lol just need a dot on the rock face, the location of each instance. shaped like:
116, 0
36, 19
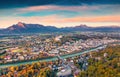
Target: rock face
37, 28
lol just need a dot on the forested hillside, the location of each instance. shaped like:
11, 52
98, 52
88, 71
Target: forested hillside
105, 63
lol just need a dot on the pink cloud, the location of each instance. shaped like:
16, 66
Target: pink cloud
61, 21
115, 18
51, 7
69, 8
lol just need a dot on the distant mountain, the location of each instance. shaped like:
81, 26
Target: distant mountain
76, 28
97, 29
29, 28
37, 28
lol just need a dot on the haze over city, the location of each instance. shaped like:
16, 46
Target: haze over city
60, 13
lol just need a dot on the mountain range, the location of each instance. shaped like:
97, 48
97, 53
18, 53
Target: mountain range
37, 28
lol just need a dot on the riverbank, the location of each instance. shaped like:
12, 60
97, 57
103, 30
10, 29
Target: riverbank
51, 59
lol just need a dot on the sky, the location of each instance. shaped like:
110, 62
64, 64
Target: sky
60, 13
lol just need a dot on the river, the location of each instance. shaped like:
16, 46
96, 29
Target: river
52, 59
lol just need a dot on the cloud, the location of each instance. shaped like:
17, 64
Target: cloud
23, 3
61, 21
94, 19
76, 10
59, 12
68, 8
